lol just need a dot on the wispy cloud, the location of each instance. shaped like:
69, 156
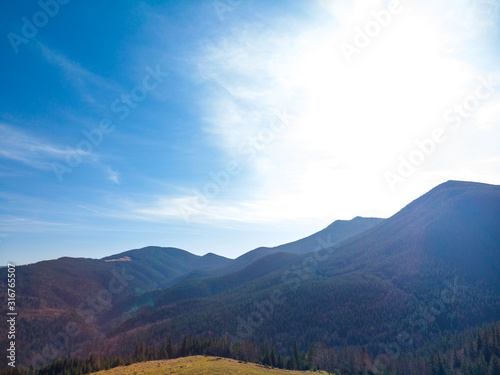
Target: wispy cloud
35, 152
112, 175
89, 85
88, 209
40, 154
15, 224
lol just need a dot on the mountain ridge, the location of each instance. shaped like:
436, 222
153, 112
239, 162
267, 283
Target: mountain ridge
364, 290
389, 272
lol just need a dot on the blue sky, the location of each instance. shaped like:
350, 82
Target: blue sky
221, 126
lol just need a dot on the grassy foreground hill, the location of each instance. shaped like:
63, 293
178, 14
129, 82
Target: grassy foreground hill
198, 365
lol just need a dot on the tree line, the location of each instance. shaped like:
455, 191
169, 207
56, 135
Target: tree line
473, 352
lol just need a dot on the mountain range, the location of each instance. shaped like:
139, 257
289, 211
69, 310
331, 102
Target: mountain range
429, 271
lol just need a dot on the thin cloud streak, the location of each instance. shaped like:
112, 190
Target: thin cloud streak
37, 153
19, 146
80, 77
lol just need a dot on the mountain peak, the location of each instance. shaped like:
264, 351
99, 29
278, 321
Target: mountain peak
457, 184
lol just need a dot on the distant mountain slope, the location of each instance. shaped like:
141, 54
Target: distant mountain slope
211, 286
260, 262
456, 223
53, 293
165, 264
334, 234
429, 270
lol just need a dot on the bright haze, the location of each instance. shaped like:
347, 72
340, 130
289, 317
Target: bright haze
221, 126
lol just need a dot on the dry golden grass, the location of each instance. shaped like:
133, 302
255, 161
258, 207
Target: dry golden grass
198, 365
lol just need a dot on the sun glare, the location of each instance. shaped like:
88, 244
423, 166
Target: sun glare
359, 115
398, 88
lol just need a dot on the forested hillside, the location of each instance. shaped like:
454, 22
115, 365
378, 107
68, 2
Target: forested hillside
418, 293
